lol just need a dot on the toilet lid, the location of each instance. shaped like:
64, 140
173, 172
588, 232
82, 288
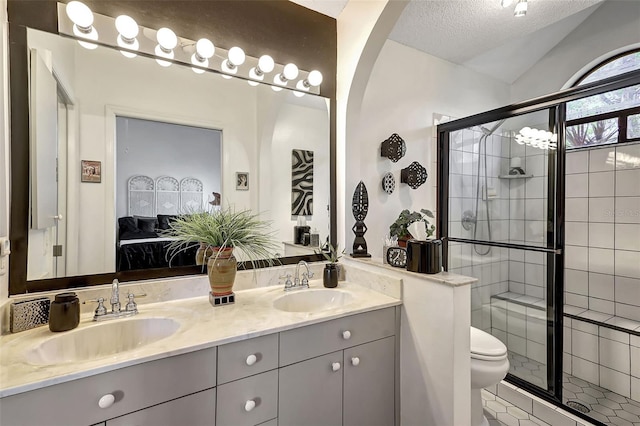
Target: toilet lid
485, 346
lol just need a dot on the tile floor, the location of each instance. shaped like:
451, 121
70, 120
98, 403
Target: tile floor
503, 413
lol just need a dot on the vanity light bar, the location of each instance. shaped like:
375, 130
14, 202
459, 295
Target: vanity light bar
124, 34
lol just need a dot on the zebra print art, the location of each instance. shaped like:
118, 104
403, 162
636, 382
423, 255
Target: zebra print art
301, 182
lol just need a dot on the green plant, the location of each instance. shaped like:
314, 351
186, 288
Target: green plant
227, 228
399, 228
332, 256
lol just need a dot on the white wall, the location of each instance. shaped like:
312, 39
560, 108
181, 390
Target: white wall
613, 27
404, 103
157, 149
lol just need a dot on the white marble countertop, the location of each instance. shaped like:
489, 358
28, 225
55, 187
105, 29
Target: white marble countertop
202, 326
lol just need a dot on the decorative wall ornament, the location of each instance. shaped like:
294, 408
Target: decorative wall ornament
388, 183
414, 175
91, 171
393, 148
301, 182
142, 196
167, 195
242, 181
191, 195
360, 208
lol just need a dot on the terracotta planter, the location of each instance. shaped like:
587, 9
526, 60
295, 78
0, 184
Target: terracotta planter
221, 269
402, 241
330, 275
203, 254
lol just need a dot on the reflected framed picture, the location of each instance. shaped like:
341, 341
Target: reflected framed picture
242, 181
91, 171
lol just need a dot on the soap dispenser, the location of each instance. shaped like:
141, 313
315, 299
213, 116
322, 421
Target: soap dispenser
64, 313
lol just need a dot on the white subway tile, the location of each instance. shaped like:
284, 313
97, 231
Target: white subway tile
577, 233
498, 318
585, 370
635, 361
601, 235
537, 331
601, 261
535, 165
627, 183
628, 311
584, 326
576, 281
516, 271
601, 286
601, 209
577, 300
627, 290
534, 291
534, 274
584, 345
627, 209
535, 257
536, 351
600, 159
577, 185
627, 156
601, 184
516, 325
627, 263
577, 258
614, 355
566, 363
627, 236
516, 209
577, 162
611, 334
550, 415
615, 381
517, 344
534, 209
535, 187
635, 389
601, 305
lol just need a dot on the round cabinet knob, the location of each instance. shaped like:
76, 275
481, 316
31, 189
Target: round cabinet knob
249, 405
106, 401
251, 359
335, 366
355, 361
58, 217
346, 335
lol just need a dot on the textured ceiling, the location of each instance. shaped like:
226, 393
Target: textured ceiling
480, 34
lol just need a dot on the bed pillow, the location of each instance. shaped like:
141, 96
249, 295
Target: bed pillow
164, 220
127, 224
147, 224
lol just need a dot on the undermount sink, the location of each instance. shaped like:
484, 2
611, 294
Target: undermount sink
101, 340
312, 300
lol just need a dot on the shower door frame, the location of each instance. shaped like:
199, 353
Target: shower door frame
556, 104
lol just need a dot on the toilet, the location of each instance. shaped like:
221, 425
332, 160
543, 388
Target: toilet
489, 365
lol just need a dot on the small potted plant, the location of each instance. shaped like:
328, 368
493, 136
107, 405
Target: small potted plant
219, 233
399, 228
331, 269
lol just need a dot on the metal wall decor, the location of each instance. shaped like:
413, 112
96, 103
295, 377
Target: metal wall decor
388, 183
360, 208
301, 182
393, 148
414, 175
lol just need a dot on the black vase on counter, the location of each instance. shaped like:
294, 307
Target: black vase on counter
330, 276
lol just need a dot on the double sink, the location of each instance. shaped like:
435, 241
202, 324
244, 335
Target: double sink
121, 335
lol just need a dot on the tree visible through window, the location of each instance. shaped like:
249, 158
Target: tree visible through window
604, 128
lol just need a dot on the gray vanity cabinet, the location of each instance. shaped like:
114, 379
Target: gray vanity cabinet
310, 392
369, 384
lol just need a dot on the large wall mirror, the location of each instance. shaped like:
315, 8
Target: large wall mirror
118, 145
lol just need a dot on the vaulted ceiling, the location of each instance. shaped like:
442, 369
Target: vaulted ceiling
480, 34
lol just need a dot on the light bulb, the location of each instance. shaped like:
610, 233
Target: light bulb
505, 3
201, 63
315, 78
298, 94
159, 51
127, 27
266, 64
290, 71
228, 67
80, 14
521, 9
302, 85
205, 49
236, 56
280, 80
253, 73
167, 39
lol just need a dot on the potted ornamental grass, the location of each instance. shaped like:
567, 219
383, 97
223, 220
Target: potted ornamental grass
399, 228
218, 233
331, 269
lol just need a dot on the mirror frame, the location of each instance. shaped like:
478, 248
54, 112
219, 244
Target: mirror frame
23, 15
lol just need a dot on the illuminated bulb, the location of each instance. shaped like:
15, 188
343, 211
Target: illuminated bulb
204, 50
160, 52
91, 35
521, 9
80, 14
298, 94
236, 57
314, 78
290, 72
167, 39
128, 31
265, 65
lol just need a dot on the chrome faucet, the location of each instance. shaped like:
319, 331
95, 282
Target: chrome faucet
297, 282
131, 308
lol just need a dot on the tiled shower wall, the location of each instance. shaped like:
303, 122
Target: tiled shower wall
602, 256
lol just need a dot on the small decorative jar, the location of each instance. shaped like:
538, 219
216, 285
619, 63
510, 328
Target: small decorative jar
330, 276
64, 313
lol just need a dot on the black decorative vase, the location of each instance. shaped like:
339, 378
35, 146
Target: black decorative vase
330, 276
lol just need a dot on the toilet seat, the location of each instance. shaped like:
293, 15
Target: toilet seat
486, 347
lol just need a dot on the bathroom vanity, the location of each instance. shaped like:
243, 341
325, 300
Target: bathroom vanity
334, 366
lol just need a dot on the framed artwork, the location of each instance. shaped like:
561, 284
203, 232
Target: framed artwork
91, 171
301, 182
242, 181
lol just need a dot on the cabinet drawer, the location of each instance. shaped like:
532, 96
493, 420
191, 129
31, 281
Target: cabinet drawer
134, 388
246, 358
249, 401
318, 339
192, 410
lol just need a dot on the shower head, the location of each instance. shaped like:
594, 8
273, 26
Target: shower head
489, 132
